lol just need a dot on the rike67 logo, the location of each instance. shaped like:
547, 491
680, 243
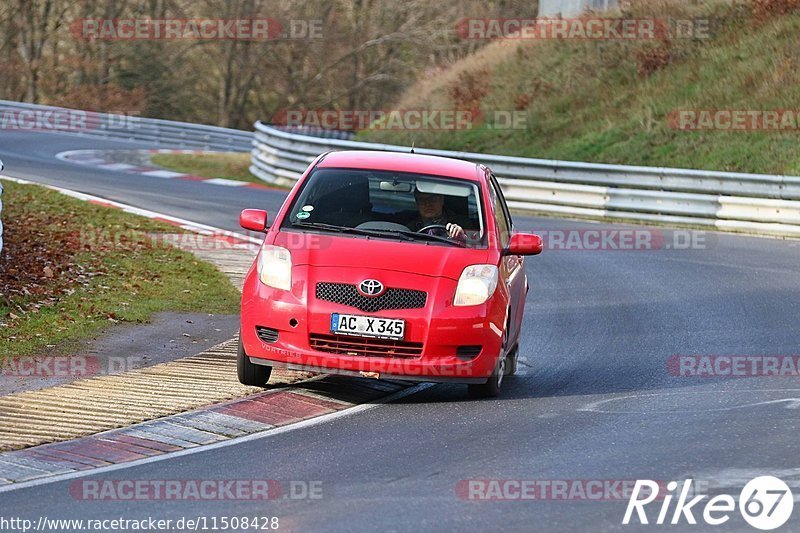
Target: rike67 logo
766, 503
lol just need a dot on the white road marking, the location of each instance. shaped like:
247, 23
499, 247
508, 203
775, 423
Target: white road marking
182, 222
600, 405
115, 166
228, 183
67, 155
163, 174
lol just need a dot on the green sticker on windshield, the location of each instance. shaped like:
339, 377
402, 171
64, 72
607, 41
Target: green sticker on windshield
302, 215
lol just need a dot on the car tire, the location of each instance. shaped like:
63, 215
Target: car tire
250, 374
491, 388
511, 361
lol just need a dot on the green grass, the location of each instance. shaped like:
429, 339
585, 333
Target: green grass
228, 165
586, 101
103, 269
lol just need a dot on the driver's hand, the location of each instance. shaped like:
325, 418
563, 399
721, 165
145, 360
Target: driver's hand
455, 231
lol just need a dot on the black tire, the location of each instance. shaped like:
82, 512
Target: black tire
250, 374
491, 388
511, 361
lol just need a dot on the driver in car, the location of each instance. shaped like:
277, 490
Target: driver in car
432, 212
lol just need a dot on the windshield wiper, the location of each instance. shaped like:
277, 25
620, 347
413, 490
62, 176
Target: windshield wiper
413, 235
344, 229
320, 225
405, 234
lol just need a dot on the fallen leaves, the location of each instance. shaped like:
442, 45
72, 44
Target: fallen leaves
51, 252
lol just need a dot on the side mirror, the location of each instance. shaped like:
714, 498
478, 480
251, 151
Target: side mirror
524, 244
254, 219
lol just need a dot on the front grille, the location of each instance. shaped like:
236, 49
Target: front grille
267, 334
365, 346
347, 294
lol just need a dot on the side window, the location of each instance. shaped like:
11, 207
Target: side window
501, 216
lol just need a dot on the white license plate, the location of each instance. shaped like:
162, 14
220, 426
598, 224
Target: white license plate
368, 326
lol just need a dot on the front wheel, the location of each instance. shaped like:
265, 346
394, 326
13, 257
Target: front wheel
512, 360
491, 388
250, 374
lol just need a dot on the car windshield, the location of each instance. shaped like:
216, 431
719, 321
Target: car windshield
384, 204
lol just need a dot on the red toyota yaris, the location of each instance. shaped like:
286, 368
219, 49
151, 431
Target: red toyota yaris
387, 265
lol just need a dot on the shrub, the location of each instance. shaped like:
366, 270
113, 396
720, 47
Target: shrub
764, 9
469, 89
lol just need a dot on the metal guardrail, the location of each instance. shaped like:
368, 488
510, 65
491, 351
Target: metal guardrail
323, 133
754, 203
26, 117
19, 116
751, 203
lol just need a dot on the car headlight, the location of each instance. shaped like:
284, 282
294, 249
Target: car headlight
476, 285
275, 267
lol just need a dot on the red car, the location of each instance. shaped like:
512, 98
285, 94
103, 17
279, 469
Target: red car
387, 265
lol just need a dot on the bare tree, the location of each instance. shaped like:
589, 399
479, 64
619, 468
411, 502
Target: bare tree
36, 22
368, 52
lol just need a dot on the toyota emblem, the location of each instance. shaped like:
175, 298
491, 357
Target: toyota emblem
371, 287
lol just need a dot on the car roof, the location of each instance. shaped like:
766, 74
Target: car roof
403, 162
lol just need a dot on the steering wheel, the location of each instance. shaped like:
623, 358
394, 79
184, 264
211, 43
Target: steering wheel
438, 230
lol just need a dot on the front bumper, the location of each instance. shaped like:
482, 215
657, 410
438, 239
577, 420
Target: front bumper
365, 374
439, 327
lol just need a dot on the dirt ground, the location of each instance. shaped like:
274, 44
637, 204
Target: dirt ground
120, 348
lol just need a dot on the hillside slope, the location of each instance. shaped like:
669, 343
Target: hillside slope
611, 101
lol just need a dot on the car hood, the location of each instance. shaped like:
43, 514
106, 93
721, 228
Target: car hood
429, 259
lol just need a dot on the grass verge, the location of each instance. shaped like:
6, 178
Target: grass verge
69, 269
612, 101
227, 165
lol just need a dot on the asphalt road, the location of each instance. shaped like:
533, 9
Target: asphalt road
32, 156
594, 399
